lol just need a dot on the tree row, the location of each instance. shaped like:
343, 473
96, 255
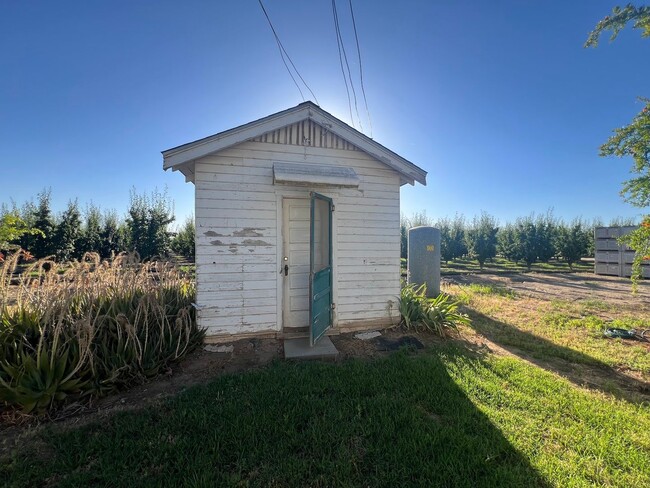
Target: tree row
145, 229
527, 240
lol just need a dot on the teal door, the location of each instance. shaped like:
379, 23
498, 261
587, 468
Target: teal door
320, 267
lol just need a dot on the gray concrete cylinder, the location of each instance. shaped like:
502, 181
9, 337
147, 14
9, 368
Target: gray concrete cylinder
424, 258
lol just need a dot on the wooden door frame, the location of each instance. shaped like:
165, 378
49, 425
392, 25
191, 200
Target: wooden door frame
280, 196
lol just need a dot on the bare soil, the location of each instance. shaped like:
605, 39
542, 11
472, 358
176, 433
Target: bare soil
565, 286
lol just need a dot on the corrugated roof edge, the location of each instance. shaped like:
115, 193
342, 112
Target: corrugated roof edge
184, 153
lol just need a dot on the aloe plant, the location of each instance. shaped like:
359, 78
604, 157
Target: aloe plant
437, 314
90, 328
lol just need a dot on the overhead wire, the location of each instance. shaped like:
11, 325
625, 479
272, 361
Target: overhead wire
283, 53
342, 57
363, 89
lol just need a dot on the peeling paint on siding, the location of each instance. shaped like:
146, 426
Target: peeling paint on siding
248, 232
253, 242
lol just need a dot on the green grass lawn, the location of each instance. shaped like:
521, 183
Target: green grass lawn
570, 331
442, 417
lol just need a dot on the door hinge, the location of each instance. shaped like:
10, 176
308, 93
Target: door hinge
333, 306
333, 207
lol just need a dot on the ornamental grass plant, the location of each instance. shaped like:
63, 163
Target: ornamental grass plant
87, 328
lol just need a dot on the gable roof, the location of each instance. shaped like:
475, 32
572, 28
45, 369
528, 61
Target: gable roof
175, 158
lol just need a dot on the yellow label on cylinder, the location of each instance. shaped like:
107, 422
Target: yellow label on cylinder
431, 247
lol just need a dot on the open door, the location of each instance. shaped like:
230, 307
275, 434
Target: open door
320, 267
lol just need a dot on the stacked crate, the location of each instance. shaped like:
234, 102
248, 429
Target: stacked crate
613, 258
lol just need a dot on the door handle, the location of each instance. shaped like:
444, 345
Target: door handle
286, 270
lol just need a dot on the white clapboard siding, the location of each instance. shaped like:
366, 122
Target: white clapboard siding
206, 203
237, 237
230, 240
370, 224
237, 232
350, 245
238, 268
364, 278
206, 255
362, 308
236, 302
231, 195
361, 262
235, 286
236, 213
226, 295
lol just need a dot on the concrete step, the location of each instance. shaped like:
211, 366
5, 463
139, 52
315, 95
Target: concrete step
299, 348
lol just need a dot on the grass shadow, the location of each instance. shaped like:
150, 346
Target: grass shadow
579, 368
397, 421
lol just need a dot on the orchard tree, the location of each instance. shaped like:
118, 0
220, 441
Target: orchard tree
446, 248
545, 230
41, 244
457, 245
183, 241
481, 238
67, 233
452, 237
419, 219
147, 222
90, 239
508, 243
403, 233
114, 235
633, 139
572, 241
528, 240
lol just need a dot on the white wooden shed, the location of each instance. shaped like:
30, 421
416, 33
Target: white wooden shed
297, 226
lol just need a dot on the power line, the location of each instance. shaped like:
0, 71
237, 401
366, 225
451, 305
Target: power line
363, 89
283, 52
341, 46
277, 40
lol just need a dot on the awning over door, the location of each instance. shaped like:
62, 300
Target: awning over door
315, 174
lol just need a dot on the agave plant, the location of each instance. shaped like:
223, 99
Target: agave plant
437, 314
37, 376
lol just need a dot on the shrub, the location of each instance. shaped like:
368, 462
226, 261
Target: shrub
90, 328
437, 314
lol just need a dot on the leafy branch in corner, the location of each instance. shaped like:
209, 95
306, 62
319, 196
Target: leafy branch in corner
633, 139
620, 17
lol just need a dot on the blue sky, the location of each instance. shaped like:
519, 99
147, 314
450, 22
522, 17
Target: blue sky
497, 100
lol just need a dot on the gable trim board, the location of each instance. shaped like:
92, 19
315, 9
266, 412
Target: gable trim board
181, 158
